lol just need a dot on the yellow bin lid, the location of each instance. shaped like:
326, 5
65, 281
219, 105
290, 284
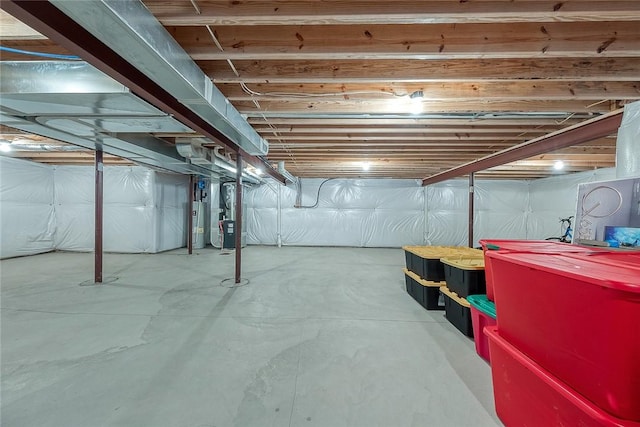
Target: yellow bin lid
464, 263
463, 302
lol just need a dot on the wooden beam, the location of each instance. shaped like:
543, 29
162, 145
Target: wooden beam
437, 91
426, 147
590, 67
399, 130
333, 12
382, 107
453, 122
425, 136
438, 41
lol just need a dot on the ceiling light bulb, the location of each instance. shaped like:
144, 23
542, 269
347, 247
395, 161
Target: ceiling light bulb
259, 171
5, 147
415, 105
366, 166
558, 165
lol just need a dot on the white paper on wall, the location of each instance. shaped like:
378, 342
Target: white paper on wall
27, 215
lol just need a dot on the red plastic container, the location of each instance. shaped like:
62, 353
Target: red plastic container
483, 313
527, 395
576, 317
537, 246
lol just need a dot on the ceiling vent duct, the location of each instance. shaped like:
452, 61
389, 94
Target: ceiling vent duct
287, 175
137, 36
75, 103
192, 149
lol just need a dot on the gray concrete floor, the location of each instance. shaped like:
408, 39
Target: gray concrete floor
319, 337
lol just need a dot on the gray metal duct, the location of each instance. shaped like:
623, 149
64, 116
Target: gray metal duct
287, 175
75, 103
136, 35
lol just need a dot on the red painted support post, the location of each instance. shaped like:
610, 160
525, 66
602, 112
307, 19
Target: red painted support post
238, 217
471, 207
97, 277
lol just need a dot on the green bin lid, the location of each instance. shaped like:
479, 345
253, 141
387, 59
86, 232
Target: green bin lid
483, 304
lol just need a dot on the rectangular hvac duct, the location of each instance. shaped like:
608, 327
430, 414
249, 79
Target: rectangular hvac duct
129, 29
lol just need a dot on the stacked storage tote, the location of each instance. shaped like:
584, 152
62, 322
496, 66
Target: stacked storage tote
567, 343
425, 273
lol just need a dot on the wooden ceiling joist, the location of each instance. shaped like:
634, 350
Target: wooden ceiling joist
436, 41
332, 12
386, 107
591, 67
328, 83
448, 91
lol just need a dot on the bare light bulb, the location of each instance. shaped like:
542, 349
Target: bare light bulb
558, 165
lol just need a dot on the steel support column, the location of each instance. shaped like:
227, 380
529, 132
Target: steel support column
190, 220
471, 207
97, 277
238, 217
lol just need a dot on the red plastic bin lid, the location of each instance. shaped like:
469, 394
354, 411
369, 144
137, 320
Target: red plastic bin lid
622, 276
532, 246
620, 258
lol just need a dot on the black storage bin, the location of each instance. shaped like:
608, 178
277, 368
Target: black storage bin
431, 270
432, 299
408, 257
427, 294
457, 312
465, 276
409, 284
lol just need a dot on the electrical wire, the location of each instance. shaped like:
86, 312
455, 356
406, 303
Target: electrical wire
317, 195
41, 54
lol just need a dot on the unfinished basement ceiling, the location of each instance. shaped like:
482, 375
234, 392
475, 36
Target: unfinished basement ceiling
333, 85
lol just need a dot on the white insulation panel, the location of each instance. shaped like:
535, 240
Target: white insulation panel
628, 143
27, 215
392, 213
48, 208
44, 208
